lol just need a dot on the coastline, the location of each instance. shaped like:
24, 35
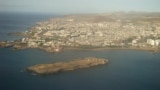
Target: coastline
57, 34
154, 50
61, 49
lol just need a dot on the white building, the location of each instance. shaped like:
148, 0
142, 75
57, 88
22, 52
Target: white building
151, 42
157, 42
134, 42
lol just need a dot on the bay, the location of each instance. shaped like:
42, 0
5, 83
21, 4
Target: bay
127, 70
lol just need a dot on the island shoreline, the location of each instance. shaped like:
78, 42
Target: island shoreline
57, 67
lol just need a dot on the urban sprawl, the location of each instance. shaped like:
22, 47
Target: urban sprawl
110, 30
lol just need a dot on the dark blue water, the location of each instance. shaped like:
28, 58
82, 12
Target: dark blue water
15, 22
127, 70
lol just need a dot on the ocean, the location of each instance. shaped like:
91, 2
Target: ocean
127, 70
18, 22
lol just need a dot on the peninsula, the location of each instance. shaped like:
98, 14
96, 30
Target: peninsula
44, 69
123, 30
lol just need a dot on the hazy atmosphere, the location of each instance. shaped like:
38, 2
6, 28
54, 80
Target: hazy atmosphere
78, 6
79, 44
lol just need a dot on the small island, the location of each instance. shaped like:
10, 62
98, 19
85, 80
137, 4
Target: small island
45, 69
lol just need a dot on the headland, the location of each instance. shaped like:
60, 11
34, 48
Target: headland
138, 31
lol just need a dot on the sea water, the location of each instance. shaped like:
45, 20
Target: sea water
127, 70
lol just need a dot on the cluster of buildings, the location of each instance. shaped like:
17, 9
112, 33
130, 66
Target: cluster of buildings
153, 42
85, 31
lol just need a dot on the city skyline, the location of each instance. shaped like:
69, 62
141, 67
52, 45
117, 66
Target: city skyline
79, 6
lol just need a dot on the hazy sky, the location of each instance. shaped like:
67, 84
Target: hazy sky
79, 6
